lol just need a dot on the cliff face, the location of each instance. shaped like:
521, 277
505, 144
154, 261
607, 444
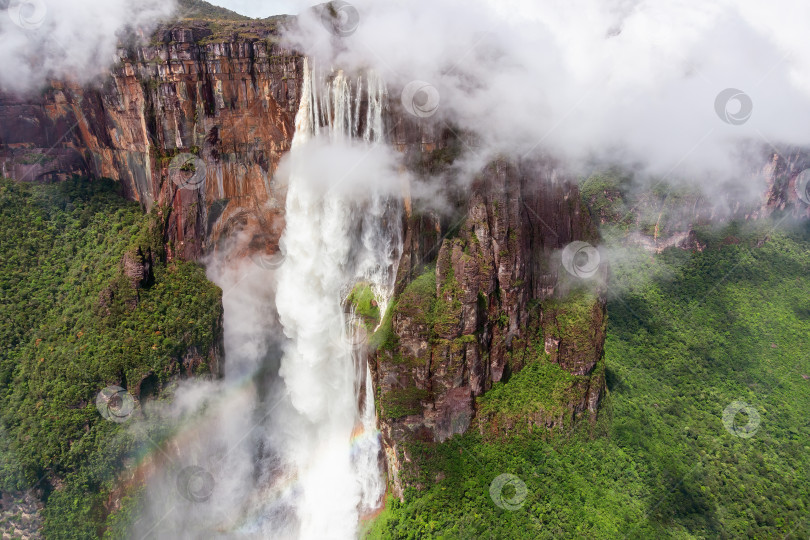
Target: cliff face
479, 300
660, 216
229, 103
788, 179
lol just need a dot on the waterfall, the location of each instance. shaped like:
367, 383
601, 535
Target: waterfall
368, 448
286, 444
332, 241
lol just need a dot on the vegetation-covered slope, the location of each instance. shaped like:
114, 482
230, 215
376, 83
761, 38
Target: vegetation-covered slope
71, 323
689, 334
199, 9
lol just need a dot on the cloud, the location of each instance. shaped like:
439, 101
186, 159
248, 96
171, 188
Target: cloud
76, 39
630, 80
344, 167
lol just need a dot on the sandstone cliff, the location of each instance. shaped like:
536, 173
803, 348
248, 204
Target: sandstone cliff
788, 178
660, 215
481, 298
228, 100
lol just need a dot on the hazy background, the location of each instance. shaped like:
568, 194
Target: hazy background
633, 81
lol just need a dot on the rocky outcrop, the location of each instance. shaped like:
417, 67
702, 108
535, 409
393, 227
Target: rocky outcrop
788, 178
20, 515
137, 267
493, 299
224, 104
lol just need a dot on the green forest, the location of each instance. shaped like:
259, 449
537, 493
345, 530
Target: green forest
691, 336
73, 324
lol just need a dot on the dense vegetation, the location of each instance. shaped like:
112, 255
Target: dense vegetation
199, 9
688, 335
227, 25
72, 323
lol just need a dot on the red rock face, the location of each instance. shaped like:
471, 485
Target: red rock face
499, 286
786, 179
231, 104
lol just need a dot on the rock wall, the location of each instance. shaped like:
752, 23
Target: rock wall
788, 179
659, 216
229, 103
481, 296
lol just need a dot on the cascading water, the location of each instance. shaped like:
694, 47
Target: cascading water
289, 448
331, 242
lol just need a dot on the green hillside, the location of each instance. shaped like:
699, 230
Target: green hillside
199, 9
71, 324
689, 335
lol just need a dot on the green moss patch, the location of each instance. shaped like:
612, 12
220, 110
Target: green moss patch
399, 402
365, 305
418, 299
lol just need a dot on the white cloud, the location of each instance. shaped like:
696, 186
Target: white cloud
636, 78
76, 39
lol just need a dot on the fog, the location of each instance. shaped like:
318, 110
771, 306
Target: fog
642, 83
68, 39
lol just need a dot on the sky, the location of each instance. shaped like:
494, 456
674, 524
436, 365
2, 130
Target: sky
263, 8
